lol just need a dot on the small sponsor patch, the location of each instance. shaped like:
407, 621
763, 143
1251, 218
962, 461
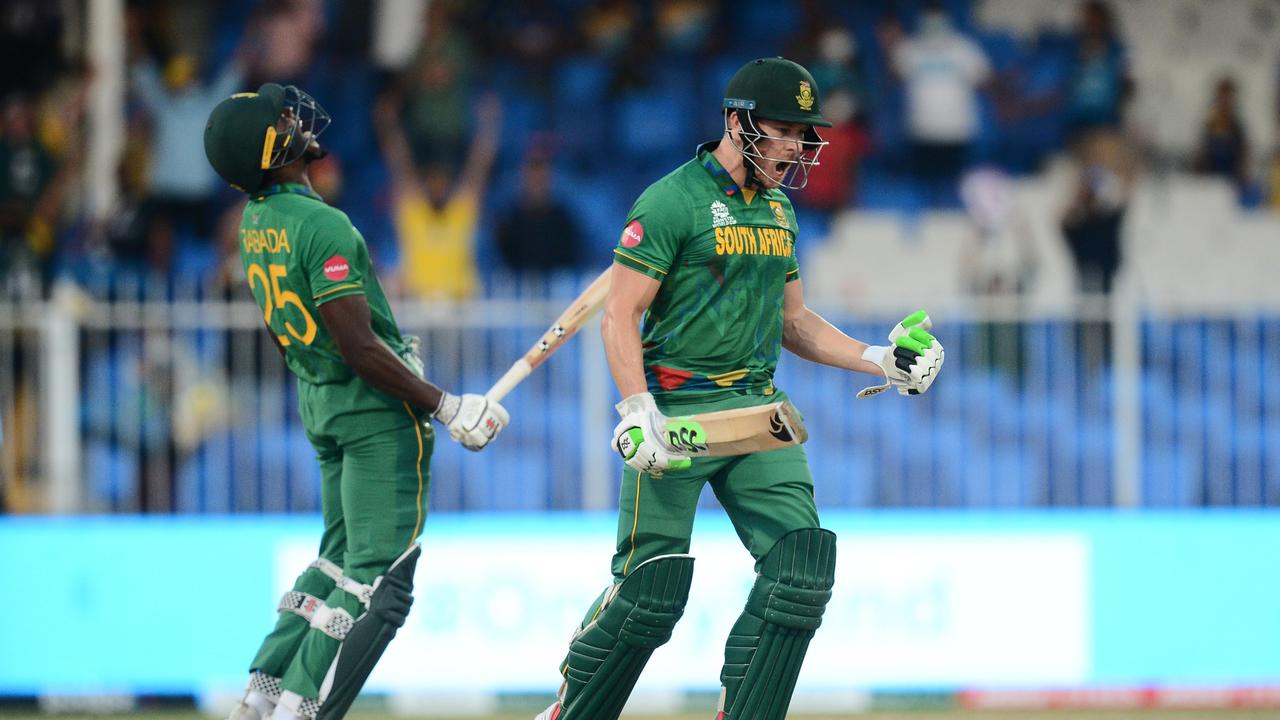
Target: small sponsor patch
632, 234
720, 215
336, 268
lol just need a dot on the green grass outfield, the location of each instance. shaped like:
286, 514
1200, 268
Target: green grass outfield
905, 715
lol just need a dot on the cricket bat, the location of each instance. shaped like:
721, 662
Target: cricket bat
737, 432
570, 321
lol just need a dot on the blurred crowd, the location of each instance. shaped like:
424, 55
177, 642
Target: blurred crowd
474, 141
480, 137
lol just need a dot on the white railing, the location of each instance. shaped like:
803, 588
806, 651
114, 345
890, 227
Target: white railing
169, 399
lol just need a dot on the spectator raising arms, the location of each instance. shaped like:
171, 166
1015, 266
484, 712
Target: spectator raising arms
180, 184
437, 210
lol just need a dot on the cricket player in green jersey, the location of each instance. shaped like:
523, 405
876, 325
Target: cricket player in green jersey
364, 403
708, 259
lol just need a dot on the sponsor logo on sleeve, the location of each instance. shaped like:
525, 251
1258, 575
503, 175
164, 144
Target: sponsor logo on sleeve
632, 234
336, 268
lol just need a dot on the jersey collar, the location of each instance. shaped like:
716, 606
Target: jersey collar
722, 176
295, 188
716, 170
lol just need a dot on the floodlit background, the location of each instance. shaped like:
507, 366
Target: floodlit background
1084, 195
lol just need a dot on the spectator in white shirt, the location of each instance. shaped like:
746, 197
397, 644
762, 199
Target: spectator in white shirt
943, 71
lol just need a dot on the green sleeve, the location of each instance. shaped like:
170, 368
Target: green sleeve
333, 258
656, 227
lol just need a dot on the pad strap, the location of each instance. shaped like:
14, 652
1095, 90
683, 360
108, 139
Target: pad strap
267, 685
359, 590
303, 707
334, 622
299, 603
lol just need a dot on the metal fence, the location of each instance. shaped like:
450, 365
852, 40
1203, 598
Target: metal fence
144, 397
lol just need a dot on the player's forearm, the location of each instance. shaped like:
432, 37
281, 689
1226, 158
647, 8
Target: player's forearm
382, 370
623, 350
808, 335
348, 320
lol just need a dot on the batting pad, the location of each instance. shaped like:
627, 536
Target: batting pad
767, 644
607, 656
368, 637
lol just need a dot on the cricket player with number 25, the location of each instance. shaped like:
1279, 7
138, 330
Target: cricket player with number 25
707, 259
366, 408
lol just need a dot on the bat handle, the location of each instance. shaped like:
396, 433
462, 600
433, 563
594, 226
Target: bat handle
519, 370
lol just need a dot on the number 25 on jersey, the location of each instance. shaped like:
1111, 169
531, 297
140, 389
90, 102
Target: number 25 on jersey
277, 298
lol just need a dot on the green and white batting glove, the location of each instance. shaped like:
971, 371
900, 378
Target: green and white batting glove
912, 360
639, 437
473, 420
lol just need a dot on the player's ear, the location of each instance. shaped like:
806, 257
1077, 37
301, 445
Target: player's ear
732, 125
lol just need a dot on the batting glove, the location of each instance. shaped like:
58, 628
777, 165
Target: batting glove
472, 420
639, 437
911, 362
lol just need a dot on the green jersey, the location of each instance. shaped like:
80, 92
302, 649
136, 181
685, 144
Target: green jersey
723, 256
298, 254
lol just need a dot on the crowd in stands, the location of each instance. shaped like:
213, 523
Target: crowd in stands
476, 137
472, 140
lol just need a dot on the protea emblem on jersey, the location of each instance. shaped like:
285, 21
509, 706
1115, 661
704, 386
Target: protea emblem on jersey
779, 215
805, 98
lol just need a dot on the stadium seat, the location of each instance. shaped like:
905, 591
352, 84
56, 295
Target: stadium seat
655, 124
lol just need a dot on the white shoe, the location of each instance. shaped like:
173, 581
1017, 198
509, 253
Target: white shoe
550, 713
244, 711
254, 706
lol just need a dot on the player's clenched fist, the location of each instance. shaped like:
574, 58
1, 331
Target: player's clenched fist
912, 361
639, 437
472, 420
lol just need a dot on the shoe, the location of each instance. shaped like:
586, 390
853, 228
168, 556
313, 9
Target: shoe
244, 711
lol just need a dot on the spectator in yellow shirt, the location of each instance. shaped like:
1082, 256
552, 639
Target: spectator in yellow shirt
437, 211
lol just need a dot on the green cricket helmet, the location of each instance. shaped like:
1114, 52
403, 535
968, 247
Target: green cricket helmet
776, 89
253, 132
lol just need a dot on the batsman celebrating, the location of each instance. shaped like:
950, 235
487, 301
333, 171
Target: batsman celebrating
708, 259
363, 402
